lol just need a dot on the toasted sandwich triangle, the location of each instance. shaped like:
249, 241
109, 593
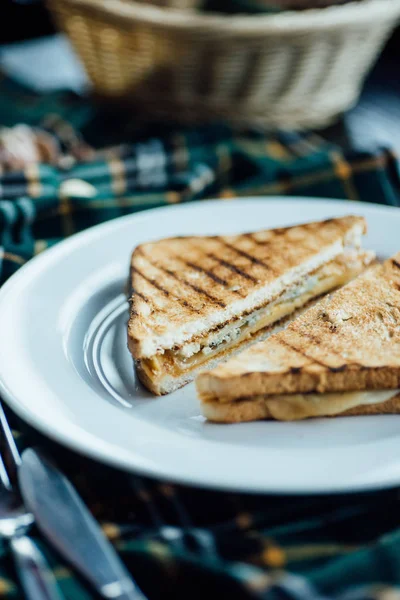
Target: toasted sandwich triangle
349, 341
183, 287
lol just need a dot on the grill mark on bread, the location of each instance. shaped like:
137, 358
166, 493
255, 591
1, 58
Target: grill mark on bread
302, 353
148, 301
151, 281
145, 299
163, 290
253, 259
194, 287
133, 292
251, 237
140, 295
280, 231
130, 282
342, 367
207, 272
395, 263
265, 243
228, 265
283, 231
311, 337
232, 267
339, 369
317, 342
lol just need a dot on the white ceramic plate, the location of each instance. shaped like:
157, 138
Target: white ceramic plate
65, 367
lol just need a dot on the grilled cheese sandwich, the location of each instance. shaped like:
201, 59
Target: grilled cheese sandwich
341, 357
192, 306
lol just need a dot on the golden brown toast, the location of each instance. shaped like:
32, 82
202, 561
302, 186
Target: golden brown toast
198, 300
349, 341
183, 287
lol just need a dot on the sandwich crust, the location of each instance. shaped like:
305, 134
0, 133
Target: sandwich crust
348, 341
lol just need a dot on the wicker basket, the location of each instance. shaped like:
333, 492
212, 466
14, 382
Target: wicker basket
229, 6
303, 4
291, 69
180, 4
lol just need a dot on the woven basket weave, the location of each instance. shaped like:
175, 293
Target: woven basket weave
292, 69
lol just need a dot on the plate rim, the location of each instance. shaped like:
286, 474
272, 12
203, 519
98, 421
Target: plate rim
42, 260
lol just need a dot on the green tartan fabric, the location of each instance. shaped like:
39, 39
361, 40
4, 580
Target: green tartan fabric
181, 542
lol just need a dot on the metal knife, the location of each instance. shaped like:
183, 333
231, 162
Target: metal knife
67, 523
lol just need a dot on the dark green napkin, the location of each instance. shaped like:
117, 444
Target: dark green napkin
103, 165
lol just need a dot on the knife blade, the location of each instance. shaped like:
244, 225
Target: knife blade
67, 523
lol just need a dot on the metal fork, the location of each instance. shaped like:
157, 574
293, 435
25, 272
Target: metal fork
35, 576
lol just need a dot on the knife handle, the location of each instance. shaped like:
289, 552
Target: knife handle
35, 576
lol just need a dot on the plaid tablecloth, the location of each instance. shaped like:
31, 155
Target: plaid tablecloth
91, 165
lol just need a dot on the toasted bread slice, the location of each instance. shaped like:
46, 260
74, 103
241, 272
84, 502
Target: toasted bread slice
183, 287
350, 341
198, 300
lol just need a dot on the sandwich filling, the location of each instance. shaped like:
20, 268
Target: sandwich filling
239, 331
293, 407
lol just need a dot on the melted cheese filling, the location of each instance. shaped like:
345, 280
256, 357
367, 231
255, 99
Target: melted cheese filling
194, 354
292, 407
302, 406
